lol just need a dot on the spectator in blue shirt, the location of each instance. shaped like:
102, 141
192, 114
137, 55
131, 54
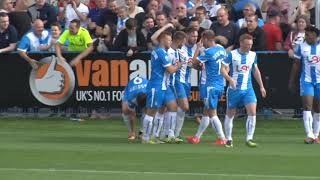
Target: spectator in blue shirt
94, 15
38, 39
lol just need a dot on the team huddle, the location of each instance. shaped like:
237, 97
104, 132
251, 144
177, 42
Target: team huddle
165, 95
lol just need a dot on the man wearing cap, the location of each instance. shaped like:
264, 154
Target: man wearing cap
273, 32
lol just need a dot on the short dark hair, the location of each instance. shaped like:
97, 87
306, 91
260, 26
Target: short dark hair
195, 19
245, 36
189, 30
179, 35
3, 14
208, 34
148, 16
158, 13
56, 24
312, 29
76, 21
201, 8
131, 23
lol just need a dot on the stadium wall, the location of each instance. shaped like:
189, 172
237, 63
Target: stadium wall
100, 79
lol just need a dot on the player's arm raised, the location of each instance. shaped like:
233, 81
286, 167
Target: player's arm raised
257, 77
196, 64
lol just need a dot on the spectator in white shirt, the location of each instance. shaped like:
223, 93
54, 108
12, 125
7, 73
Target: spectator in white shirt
76, 10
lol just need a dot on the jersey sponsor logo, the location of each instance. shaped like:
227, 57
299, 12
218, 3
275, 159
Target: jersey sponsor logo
313, 59
53, 82
243, 68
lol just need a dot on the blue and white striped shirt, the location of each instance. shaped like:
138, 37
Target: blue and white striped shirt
241, 66
310, 60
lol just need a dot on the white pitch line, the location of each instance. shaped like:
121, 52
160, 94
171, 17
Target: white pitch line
160, 173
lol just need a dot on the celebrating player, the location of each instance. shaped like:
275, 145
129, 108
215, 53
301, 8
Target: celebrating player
307, 55
161, 68
176, 55
134, 95
213, 56
243, 63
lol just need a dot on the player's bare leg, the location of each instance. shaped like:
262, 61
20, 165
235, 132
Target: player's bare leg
129, 118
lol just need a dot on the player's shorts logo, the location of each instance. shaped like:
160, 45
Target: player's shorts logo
53, 83
313, 59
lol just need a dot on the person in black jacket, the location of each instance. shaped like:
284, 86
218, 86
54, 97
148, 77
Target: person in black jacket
129, 39
259, 37
44, 11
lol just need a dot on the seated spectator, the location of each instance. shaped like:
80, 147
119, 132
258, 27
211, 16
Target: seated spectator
297, 36
212, 8
195, 24
8, 34
259, 37
108, 17
105, 41
21, 21
282, 6
148, 24
273, 32
130, 40
305, 7
101, 44
161, 21
78, 37
94, 14
151, 10
201, 13
133, 9
248, 10
44, 11
122, 18
55, 34
181, 21
225, 30
35, 40
237, 7
6, 6
76, 10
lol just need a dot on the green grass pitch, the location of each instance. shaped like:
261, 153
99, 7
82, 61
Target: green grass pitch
59, 149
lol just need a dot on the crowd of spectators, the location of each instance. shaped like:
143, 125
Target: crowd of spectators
105, 25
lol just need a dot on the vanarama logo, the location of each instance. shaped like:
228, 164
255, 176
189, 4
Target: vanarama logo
53, 83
